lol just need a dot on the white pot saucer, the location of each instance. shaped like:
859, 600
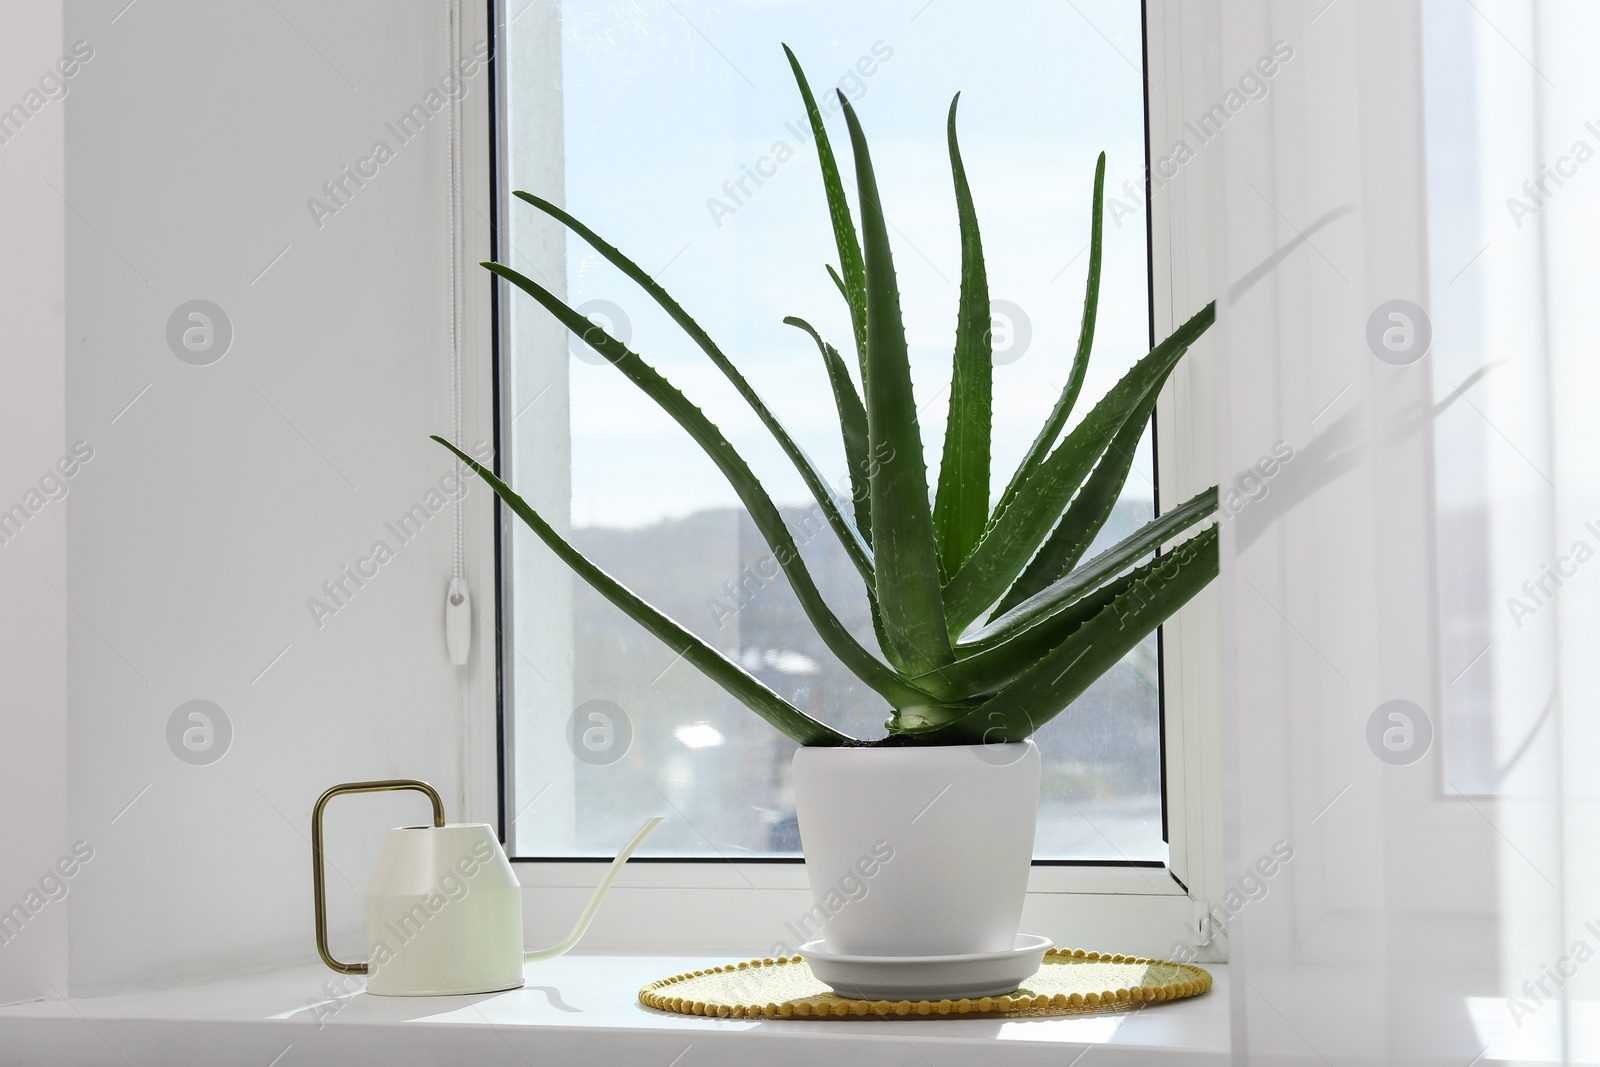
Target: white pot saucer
971, 975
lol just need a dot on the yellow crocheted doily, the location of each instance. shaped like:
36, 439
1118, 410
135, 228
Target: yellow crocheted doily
1069, 982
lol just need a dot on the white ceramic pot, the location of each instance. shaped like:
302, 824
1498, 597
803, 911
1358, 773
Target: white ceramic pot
917, 851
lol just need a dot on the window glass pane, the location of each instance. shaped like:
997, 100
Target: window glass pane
675, 130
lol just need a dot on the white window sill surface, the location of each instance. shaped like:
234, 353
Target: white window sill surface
579, 1010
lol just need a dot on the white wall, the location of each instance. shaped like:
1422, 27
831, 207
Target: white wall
33, 624
218, 503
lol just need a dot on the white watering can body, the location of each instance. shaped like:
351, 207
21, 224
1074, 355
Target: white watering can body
444, 914
444, 909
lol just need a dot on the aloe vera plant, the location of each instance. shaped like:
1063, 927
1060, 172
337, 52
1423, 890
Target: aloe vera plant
988, 620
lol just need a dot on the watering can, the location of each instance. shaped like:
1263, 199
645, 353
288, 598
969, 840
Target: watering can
444, 910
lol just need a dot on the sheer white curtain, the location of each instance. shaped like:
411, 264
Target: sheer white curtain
1411, 606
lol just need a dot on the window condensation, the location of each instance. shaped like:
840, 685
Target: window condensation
676, 131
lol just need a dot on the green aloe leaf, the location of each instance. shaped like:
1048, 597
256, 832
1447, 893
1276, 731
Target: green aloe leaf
928, 718
1080, 361
1076, 530
1014, 537
855, 543
852, 425
961, 503
854, 283
1039, 610
906, 559
1000, 663
838, 283
739, 683
1046, 688
1011, 644
762, 511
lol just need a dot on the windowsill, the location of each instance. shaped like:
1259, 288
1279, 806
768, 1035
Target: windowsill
575, 1009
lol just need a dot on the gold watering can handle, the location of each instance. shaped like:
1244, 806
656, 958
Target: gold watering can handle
318, 896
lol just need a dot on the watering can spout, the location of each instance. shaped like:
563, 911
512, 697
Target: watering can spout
593, 906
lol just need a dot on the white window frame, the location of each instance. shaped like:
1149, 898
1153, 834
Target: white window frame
740, 908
